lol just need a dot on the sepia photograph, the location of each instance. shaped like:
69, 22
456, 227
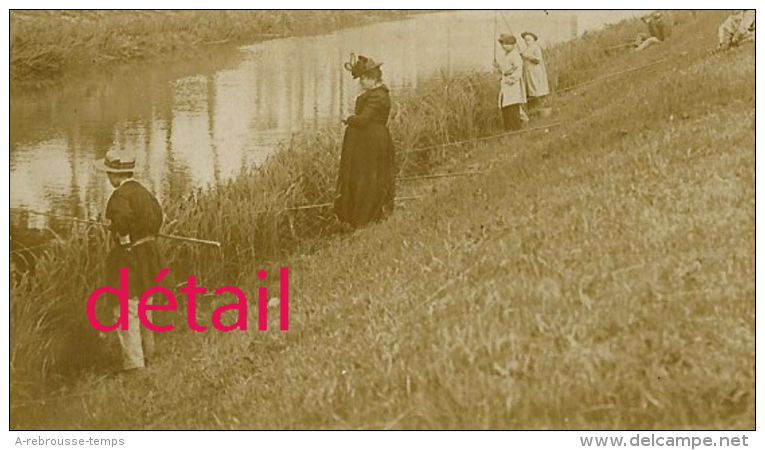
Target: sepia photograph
357, 219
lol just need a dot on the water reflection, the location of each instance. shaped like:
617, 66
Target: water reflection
196, 123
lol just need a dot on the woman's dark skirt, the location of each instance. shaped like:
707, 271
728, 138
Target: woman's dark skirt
366, 182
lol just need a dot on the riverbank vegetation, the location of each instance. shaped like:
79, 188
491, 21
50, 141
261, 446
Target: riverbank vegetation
47, 43
599, 275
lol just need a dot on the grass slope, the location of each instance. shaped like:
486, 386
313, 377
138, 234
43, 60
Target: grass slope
598, 276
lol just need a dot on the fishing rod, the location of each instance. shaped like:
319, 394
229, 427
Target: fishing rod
520, 43
101, 224
495, 35
509, 28
621, 72
441, 175
484, 138
327, 205
620, 46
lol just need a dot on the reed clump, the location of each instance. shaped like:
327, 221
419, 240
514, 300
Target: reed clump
50, 336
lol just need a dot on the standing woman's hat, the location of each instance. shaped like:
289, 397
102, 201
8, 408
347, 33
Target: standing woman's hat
360, 66
117, 162
529, 33
506, 38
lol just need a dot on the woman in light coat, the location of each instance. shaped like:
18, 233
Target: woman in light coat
534, 71
512, 91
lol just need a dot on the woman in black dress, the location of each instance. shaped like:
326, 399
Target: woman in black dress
366, 182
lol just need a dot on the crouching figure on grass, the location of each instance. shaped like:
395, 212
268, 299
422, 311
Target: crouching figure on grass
366, 181
659, 29
135, 218
737, 29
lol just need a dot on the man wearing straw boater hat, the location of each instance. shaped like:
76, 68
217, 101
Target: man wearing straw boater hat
134, 217
512, 93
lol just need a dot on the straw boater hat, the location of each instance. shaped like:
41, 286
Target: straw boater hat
529, 33
360, 66
506, 38
117, 162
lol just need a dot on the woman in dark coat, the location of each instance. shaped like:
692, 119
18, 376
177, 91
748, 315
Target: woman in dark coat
366, 183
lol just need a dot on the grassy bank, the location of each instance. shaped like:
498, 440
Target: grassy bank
44, 44
597, 276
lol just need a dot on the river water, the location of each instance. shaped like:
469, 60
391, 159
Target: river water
197, 123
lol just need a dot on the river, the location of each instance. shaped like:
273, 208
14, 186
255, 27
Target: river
194, 124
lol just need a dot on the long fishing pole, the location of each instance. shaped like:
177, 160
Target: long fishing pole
327, 205
521, 43
495, 35
93, 222
509, 28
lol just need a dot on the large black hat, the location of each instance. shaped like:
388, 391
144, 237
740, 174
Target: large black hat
360, 66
